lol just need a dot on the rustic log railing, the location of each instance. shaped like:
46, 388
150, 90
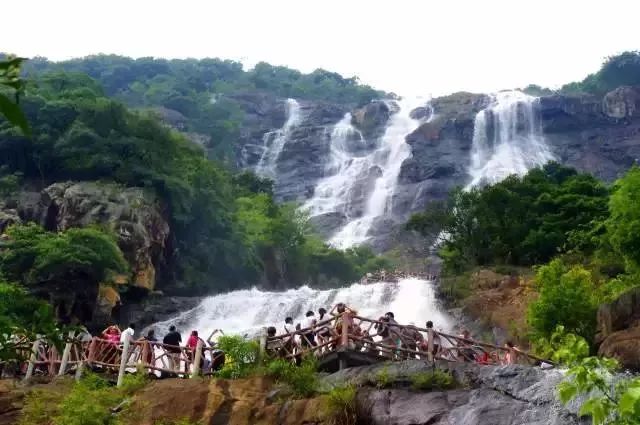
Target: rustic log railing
349, 332
150, 356
346, 332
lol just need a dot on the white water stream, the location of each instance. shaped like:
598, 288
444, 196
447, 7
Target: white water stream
246, 311
349, 171
507, 139
274, 141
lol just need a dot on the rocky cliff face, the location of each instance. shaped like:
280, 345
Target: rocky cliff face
136, 216
600, 136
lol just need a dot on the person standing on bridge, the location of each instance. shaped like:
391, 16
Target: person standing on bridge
307, 338
171, 342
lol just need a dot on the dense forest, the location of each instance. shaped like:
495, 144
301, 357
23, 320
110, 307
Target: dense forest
198, 89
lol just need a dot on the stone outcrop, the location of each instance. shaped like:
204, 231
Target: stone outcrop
136, 217
623, 102
488, 395
618, 332
372, 118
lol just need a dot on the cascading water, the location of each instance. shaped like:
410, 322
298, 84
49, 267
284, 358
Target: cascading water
507, 139
246, 311
274, 141
349, 170
335, 192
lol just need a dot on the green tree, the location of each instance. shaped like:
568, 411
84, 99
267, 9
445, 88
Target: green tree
623, 226
10, 81
566, 298
23, 318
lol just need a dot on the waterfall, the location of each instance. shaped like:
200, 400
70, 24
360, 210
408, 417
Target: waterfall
507, 139
274, 141
387, 159
345, 170
246, 311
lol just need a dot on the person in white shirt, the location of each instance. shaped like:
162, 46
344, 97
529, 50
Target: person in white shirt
307, 324
128, 333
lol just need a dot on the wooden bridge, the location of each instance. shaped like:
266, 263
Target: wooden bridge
353, 340
344, 340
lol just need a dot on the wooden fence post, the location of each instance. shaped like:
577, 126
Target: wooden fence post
197, 357
32, 359
79, 370
430, 344
263, 344
123, 360
53, 356
65, 355
91, 356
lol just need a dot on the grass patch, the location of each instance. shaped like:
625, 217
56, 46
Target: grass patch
302, 379
382, 379
87, 402
435, 380
456, 288
341, 405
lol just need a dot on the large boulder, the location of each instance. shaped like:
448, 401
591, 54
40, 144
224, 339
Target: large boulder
623, 346
372, 118
623, 102
618, 332
619, 314
135, 215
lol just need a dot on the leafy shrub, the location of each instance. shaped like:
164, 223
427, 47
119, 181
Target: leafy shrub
87, 402
562, 347
302, 379
567, 298
341, 405
241, 356
435, 380
609, 398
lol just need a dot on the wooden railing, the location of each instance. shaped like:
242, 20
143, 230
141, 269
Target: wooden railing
349, 332
150, 356
343, 332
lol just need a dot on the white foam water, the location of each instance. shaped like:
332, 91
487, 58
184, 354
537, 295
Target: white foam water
274, 141
246, 311
507, 139
387, 159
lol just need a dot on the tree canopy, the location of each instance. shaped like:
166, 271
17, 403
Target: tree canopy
617, 70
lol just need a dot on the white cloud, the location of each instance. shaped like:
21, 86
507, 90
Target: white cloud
411, 47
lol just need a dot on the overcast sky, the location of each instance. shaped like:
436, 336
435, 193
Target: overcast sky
411, 47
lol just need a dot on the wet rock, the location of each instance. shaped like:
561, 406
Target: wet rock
372, 118
326, 224
421, 113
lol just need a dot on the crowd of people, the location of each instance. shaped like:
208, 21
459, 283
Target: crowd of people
169, 355
384, 337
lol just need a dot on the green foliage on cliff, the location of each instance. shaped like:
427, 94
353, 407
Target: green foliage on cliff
520, 220
198, 95
33, 256
226, 229
623, 225
618, 70
241, 356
